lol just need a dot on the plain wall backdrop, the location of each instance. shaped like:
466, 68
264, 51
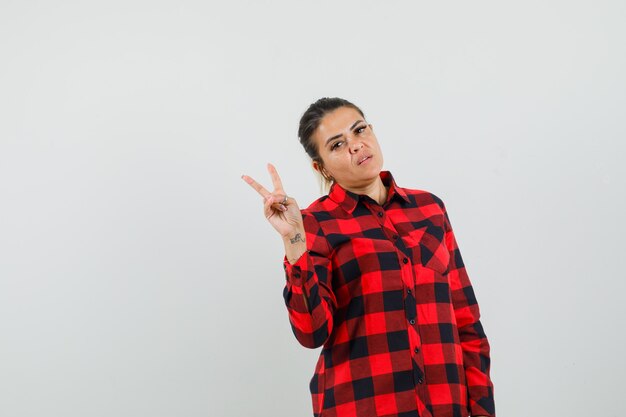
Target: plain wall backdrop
138, 276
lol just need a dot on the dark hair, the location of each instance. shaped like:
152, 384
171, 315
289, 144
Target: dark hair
310, 121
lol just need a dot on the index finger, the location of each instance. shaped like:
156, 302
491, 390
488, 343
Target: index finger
278, 185
258, 187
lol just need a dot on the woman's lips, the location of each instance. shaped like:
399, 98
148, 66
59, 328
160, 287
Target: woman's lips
367, 158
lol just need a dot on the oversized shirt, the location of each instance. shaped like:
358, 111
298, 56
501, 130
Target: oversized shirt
385, 291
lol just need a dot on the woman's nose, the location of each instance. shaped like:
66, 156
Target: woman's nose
355, 146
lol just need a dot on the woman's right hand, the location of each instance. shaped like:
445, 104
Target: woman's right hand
283, 215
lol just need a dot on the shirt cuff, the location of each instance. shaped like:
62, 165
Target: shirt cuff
293, 272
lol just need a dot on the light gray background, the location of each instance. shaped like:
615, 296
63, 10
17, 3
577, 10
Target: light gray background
138, 276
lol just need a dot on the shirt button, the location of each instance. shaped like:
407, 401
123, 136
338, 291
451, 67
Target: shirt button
416, 350
405, 260
412, 321
380, 214
420, 380
408, 291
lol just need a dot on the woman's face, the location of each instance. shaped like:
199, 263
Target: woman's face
348, 148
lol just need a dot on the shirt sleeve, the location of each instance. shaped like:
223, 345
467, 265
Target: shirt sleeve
308, 290
476, 359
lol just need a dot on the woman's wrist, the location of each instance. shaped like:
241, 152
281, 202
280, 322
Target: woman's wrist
294, 260
293, 254
295, 245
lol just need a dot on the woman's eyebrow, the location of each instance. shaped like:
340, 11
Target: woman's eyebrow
339, 135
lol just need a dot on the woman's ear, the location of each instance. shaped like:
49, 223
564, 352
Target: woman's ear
320, 169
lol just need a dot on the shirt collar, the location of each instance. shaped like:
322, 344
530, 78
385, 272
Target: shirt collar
348, 200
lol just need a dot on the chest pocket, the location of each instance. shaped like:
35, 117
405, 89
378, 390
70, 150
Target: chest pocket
429, 251
432, 285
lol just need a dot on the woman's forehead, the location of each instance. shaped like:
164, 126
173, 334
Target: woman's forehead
341, 118
338, 121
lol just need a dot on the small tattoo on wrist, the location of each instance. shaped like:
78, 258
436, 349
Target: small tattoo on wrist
296, 238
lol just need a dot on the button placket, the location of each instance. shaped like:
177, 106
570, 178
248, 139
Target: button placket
410, 308
408, 279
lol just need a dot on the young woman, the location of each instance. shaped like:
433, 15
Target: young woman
375, 276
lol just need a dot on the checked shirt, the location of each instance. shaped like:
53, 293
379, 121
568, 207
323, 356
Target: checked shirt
384, 291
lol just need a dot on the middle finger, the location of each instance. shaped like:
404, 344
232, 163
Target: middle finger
278, 185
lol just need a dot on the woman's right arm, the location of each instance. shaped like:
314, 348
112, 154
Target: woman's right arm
308, 289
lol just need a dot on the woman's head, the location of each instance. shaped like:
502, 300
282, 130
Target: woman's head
336, 136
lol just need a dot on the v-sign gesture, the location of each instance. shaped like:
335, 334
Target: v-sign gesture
280, 210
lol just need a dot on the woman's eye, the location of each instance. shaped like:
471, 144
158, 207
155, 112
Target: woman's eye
360, 129
334, 145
